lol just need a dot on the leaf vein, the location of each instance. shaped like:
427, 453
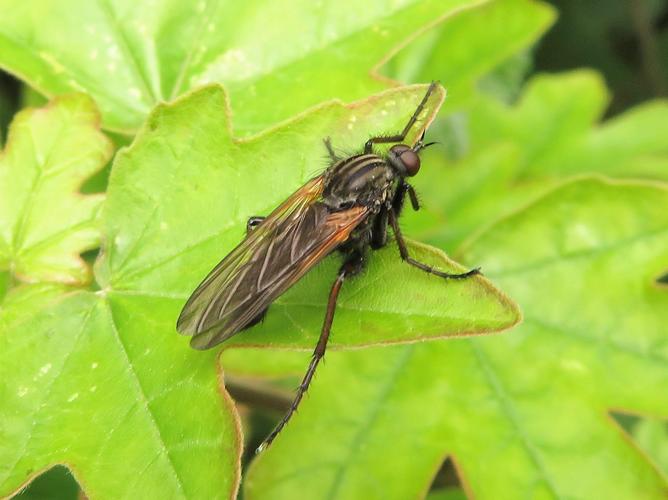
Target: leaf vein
507, 407
372, 416
129, 53
592, 252
144, 400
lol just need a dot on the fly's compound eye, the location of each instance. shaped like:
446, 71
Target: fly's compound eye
411, 161
405, 159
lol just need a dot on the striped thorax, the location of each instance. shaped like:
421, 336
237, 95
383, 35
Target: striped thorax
364, 179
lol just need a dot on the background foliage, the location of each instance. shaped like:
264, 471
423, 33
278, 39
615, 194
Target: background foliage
555, 183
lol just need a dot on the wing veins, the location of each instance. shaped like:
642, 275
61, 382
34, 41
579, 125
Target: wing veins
293, 238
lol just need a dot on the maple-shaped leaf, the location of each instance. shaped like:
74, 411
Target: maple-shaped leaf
132, 55
157, 420
186, 155
45, 222
108, 396
459, 53
522, 415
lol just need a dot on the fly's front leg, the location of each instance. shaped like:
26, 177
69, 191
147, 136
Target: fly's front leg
330, 149
379, 229
253, 222
403, 250
400, 197
368, 147
351, 266
413, 196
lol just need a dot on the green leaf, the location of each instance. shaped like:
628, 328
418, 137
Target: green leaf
178, 200
5, 283
45, 222
471, 45
475, 41
512, 154
80, 382
131, 414
265, 363
130, 56
555, 122
651, 434
522, 414
161, 251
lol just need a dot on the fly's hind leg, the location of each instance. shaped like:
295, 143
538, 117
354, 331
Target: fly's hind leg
403, 250
353, 264
257, 319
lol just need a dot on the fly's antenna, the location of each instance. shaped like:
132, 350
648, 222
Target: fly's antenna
422, 145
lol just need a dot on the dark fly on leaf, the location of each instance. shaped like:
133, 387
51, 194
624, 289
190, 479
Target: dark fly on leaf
348, 208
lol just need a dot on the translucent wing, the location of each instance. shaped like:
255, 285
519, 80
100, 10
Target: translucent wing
290, 241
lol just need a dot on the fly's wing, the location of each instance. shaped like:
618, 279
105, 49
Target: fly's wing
289, 242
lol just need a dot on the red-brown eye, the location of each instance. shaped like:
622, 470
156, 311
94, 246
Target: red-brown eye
404, 159
411, 161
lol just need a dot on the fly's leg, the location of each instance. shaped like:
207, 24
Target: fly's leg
253, 222
413, 196
400, 197
379, 230
400, 137
403, 250
352, 266
330, 149
257, 319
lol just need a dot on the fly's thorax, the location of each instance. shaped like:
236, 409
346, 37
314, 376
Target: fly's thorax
364, 179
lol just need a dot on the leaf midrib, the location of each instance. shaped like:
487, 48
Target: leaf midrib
41, 175
508, 410
143, 397
108, 14
580, 335
373, 412
187, 60
590, 252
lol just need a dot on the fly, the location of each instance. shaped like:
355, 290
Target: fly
347, 208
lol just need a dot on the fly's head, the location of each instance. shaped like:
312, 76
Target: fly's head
405, 160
